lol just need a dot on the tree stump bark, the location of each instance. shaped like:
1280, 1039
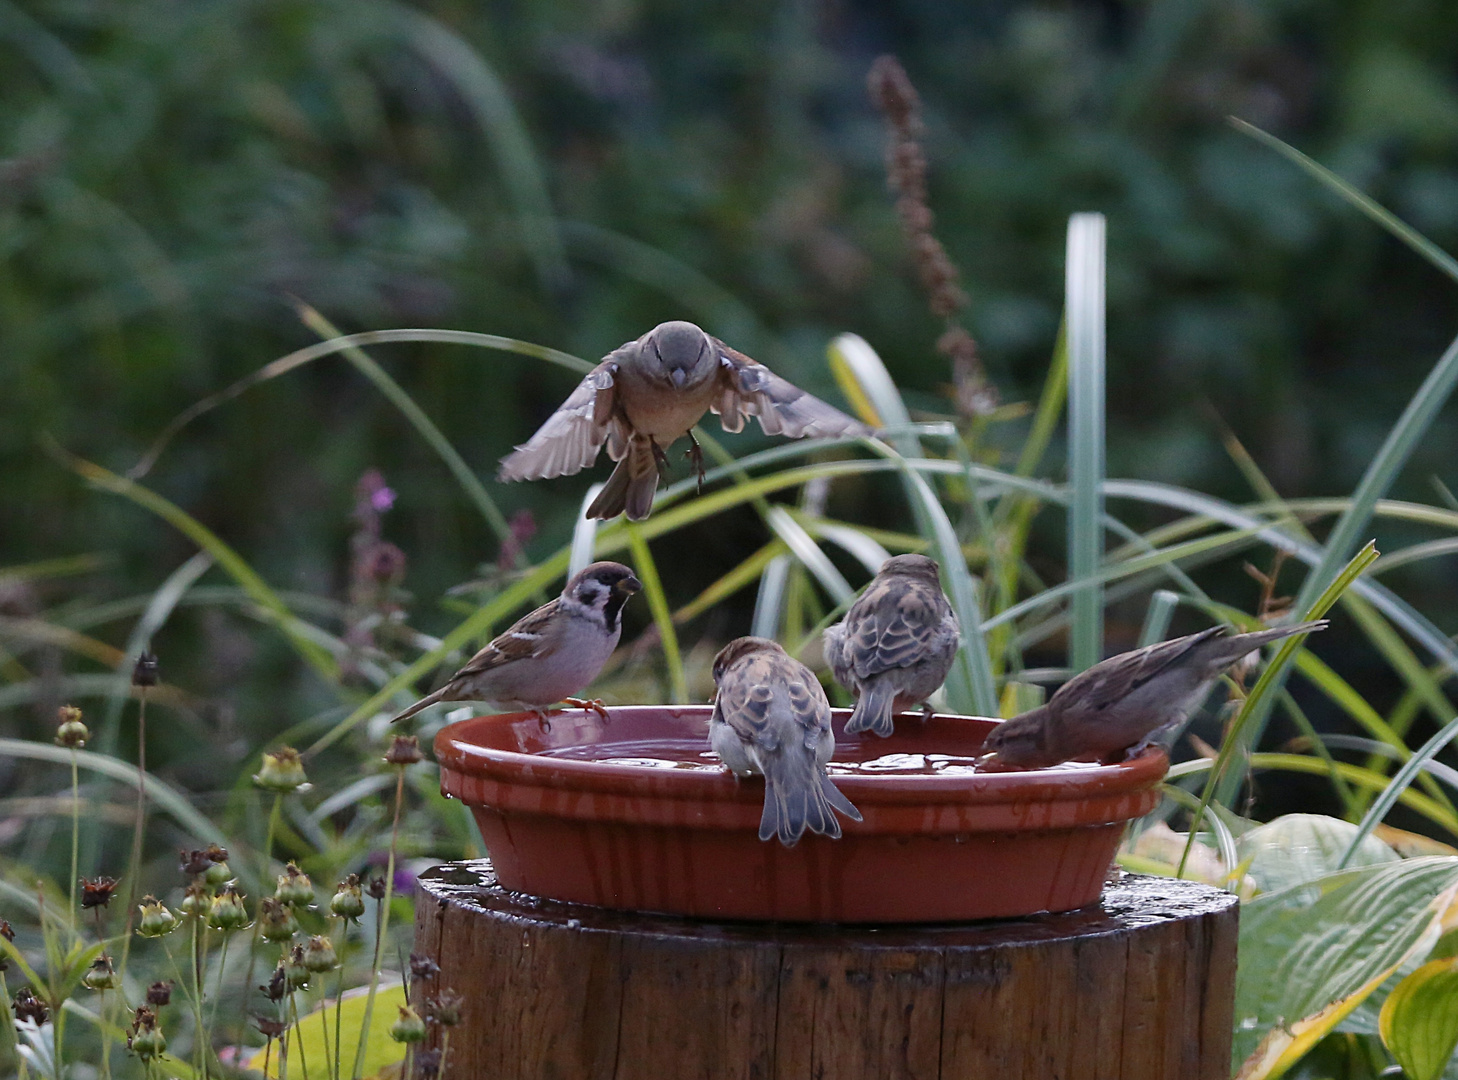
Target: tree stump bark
1140, 986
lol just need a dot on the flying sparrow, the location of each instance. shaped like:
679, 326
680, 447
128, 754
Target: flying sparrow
895, 645
772, 718
1128, 702
551, 653
645, 396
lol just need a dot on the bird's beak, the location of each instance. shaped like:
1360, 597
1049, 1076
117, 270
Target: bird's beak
629, 585
677, 375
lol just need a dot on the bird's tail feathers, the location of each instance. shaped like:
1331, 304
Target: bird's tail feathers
424, 703
631, 487
793, 805
874, 709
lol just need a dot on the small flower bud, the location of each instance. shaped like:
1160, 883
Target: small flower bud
155, 919
196, 900
405, 750
96, 892
101, 976
319, 954
294, 887
144, 673
227, 911
270, 1029
376, 888
282, 771
276, 920
296, 975
159, 994
71, 733
347, 901
409, 1028
423, 967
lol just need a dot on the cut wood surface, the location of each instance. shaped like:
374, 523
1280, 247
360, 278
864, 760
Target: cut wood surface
1139, 987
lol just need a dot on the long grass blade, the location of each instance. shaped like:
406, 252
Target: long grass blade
584, 534
662, 617
1084, 302
1271, 679
1157, 619
769, 602
434, 438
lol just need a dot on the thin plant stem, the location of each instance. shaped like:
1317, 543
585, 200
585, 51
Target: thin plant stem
200, 1049
105, 1006
324, 1023
445, 1045
273, 817
303, 1057
381, 924
222, 970
75, 832
339, 999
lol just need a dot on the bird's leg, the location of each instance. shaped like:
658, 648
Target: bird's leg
659, 457
695, 455
542, 721
595, 704
927, 712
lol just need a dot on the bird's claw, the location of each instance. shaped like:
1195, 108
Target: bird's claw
660, 459
927, 712
695, 455
542, 721
594, 704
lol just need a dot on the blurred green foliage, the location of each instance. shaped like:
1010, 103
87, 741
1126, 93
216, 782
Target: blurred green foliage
572, 173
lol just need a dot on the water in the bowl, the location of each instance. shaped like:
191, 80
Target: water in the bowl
692, 754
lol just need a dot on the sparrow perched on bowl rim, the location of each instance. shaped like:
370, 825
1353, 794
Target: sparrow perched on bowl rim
550, 653
895, 645
1128, 702
771, 718
647, 394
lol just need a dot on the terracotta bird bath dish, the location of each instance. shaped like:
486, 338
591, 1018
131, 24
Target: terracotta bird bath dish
634, 812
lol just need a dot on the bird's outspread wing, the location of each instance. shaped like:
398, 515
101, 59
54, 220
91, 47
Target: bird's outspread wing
572, 436
748, 388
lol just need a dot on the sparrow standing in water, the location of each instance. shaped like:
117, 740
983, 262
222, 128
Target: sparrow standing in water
895, 645
645, 396
771, 718
551, 653
1118, 707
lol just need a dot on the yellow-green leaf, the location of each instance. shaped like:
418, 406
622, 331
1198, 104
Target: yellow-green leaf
1419, 1020
381, 1052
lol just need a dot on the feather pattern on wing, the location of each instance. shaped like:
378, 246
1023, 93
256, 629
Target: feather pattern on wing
748, 388
571, 437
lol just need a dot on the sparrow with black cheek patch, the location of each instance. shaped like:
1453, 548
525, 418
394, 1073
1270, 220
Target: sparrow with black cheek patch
1118, 707
771, 718
551, 653
895, 645
645, 396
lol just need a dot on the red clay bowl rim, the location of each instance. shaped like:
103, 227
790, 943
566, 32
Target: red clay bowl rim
457, 752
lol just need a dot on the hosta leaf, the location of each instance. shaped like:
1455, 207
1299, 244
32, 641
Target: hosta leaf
1419, 1021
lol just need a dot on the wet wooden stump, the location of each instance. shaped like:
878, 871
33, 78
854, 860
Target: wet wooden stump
1139, 987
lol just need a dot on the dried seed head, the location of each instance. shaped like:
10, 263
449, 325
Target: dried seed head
71, 732
101, 975
296, 973
155, 920
196, 900
319, 954
347, 901
409, 1028
227, 911
404, 750
423, 967
278, 985
294, 887
270, 1029
159, 994
96, 892
29, 1007
445, 1008
276, 920
376, 888
144, 1037
282, 771
144, 673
